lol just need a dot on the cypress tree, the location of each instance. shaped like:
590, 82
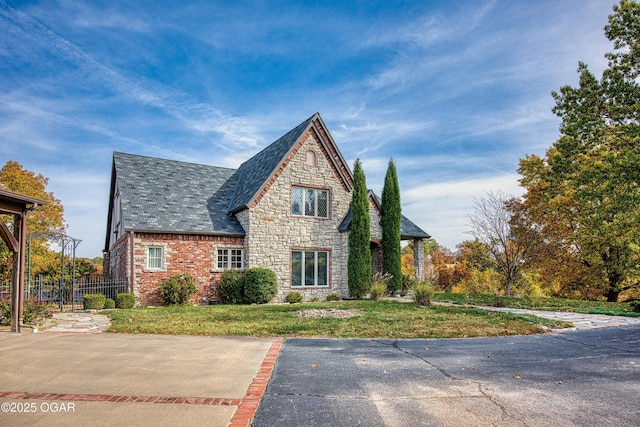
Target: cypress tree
359, 263
391, 215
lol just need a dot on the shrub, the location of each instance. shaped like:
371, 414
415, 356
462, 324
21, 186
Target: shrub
333, 297
293, 297
177, 289
501, 301
422, 293
636, 306
5, 313
231, 287
93, 301
408, 282
479, 282
261, 285
109, 303
377, 290
36, 312
125, 300
379, 285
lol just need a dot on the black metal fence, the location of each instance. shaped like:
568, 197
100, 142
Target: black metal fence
67, 295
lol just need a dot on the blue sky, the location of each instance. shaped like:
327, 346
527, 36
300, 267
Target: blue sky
456, 92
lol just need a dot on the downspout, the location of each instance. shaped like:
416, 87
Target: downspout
132, 271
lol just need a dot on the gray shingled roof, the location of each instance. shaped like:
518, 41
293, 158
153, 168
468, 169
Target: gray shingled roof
172, 196
408, 230
254, 172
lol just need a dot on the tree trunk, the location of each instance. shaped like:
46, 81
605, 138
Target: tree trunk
614, 286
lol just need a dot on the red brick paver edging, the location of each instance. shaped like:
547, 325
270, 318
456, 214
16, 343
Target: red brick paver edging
120, 399
251, 401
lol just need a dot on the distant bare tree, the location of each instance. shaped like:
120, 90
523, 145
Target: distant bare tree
509, 243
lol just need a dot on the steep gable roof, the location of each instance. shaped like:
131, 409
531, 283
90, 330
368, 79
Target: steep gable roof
170, 196
408, 230
255, 174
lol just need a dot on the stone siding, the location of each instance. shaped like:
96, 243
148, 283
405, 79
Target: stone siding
272, 231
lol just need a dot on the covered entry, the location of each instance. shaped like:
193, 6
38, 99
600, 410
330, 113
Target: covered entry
17, 205
376, 257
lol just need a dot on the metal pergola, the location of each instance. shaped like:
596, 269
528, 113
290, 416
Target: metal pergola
68, 247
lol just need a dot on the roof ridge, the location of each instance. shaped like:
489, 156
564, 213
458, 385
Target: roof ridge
172, 160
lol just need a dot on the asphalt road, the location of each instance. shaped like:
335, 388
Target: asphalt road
583, 378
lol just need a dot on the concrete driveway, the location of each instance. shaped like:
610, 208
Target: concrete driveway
583, 378
75, 379
74, 375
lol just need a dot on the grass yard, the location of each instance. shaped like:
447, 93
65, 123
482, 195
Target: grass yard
369, 319
547, 304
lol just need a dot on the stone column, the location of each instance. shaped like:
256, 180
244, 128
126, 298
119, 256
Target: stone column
418, 259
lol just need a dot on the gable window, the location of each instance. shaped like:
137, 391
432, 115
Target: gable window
309, 268
230, 259
311, 158
310, 202
155, 258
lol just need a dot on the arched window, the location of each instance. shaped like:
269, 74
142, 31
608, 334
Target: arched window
311, 158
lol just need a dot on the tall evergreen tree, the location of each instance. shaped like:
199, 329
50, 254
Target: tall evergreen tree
359, 264
391, 215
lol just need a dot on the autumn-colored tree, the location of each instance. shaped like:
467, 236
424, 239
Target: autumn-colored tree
407, 261
43, 221
583, 196
443, 260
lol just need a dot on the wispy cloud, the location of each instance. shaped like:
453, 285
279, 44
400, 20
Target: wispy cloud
426, 203
454, 92
195, 115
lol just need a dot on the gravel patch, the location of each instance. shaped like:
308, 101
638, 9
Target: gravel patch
328, 312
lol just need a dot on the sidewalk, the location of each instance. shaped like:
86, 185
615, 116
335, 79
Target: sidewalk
80, 322
580, 321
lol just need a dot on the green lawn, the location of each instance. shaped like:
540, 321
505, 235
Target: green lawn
375, 319
547, 304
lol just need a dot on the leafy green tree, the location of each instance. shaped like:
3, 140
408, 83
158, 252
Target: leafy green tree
476, 255
359, 263
390, 222
583, 196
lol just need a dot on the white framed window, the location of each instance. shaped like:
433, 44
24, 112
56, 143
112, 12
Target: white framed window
310, 202
230, 259
309, 268
155, 258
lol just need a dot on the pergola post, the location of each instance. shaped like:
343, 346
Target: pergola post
17, 205
16, 297
21, 263
418, 259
